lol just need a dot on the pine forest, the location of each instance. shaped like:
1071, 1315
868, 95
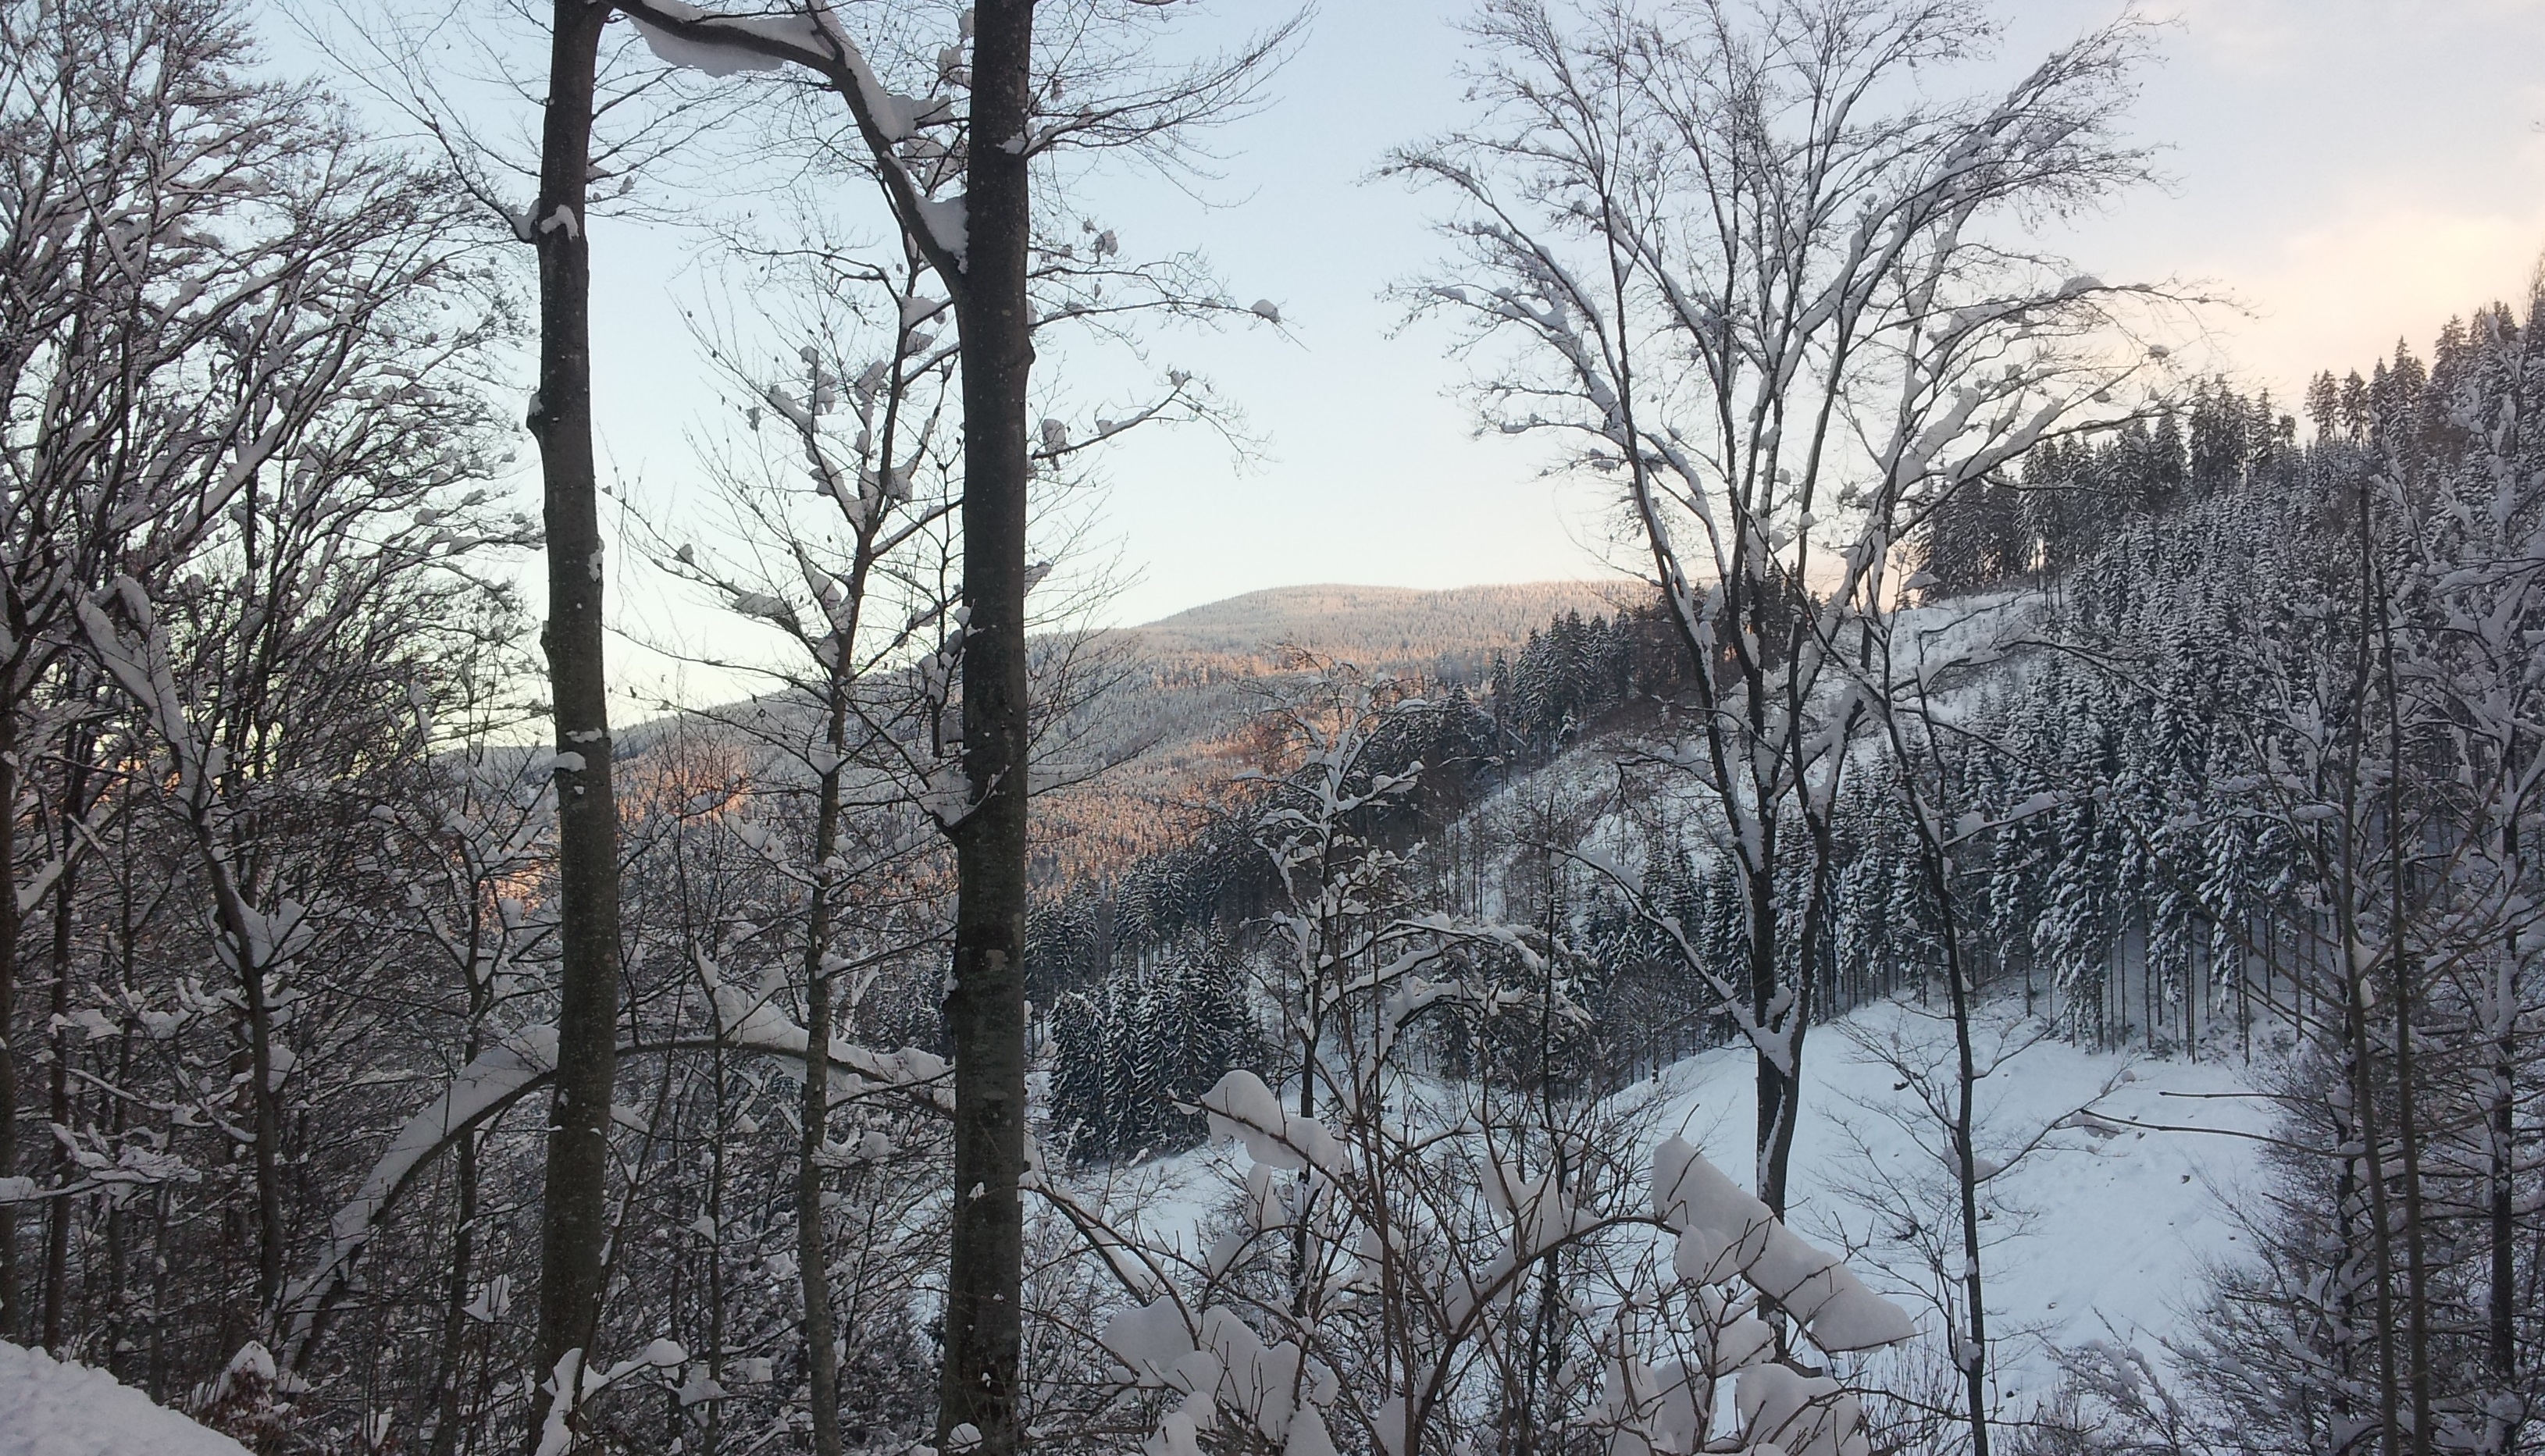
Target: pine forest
2012, 919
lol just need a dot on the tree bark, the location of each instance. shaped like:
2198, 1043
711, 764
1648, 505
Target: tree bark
2501, 1116
58, 1218
1780, 1084
454, 1318
264, 1103
463, 1246
2399, 967
2356, 1009
574, 1221
985, 1010
1973, 1359
13, 1312
813, 1264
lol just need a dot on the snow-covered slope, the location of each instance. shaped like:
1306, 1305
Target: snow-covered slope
55, 1407
2109, 1225
2102, 1230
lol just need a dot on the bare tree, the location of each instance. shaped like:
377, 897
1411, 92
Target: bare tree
575, 1212
1927, 751
1787, 321
859, 589
978, 242
335, 585
201, 272
1440, 1248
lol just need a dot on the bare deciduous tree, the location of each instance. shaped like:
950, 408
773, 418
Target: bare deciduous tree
978, 241
203, 274
1787, 319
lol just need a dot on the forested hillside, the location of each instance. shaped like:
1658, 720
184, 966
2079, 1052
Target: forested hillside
2147, 804
1449, 635
1309, 1024
1170, 717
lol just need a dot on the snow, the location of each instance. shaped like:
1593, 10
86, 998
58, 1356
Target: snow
725, 44
1803, 1414
753, 1023
59, 1407
704, 55
2122, 1222
948, 223
1724, 1229
476, 1091
1243, 1108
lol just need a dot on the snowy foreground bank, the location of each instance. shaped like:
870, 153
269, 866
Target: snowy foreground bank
2104, 1231
54, 1408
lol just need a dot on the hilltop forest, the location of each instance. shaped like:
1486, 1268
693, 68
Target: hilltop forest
1271, 1030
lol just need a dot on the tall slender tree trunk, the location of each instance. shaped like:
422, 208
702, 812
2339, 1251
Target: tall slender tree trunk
2399, 964
813, 1258
711, 1436
13, 1312
1780, 1087
2502, 1115
1312, 1034
2356, 1009
2195, 978
112, 1342
464, 1251
985, 1010
1545, 1333
1971, 1352
454, 1317
58, 1218
2372, 1179
265, 1099
574, 1220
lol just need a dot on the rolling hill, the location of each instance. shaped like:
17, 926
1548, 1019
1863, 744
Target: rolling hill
1181, 690
1451, 634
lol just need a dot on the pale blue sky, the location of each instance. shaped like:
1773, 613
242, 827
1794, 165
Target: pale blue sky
2355, 170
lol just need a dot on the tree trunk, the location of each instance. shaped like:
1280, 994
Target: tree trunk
13, 1313
262, 1100
574, 1220
58, 1218
1972, 1358
711, 1436
813, 1264
985, 1010
464, 1249
2399, 964
2357, 1011
2503, 1115
1779, 1083
111, 1341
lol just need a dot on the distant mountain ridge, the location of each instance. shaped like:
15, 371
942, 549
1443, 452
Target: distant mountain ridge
1183, 688
1392, 628
1153, 751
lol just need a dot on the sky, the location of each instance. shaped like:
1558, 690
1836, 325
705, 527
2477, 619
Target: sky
2352, 172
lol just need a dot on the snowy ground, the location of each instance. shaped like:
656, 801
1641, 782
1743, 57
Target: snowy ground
2109, 1226
2116, 1223
50, 1407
